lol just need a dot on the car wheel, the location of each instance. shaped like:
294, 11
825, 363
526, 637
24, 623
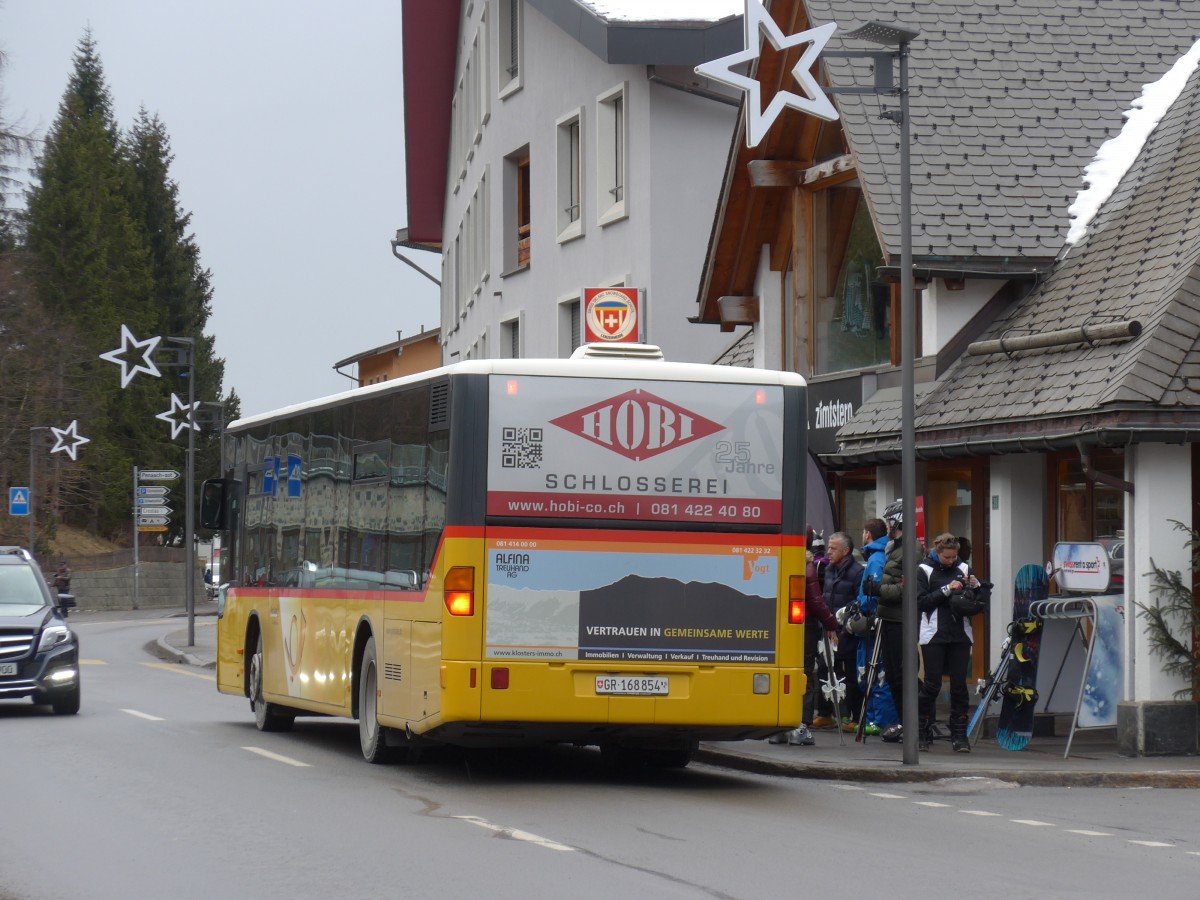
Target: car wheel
67, 704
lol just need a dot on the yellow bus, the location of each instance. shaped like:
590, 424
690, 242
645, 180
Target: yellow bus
605, 550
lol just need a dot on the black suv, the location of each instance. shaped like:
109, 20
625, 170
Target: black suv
39, 654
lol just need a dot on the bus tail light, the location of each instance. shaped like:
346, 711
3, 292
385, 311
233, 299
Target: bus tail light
460, 591
796, 600
500, 678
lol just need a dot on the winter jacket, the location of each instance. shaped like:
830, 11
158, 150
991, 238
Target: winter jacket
939, 624
841, 588
875, 555
891, 585
815, 607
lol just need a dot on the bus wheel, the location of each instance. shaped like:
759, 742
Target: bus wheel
267, 716
668, 758
370, 732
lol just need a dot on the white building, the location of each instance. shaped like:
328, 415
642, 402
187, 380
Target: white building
554, 145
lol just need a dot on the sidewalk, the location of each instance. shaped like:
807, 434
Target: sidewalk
1094, 760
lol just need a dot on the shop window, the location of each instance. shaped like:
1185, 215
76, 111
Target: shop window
852, 306
1088, 510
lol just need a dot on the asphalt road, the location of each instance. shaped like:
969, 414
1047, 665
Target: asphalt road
162, 787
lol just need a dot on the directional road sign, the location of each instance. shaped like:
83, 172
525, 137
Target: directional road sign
152, 528
154, 490
18, 501
158, 475
153, 520
153, 510
149, 501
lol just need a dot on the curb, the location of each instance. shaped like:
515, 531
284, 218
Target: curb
163, 650
917, 775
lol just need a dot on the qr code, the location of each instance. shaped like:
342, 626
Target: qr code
521, 448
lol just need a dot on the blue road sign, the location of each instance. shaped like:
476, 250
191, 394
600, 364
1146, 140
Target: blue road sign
18, 501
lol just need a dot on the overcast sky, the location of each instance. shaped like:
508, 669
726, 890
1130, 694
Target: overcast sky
286, 123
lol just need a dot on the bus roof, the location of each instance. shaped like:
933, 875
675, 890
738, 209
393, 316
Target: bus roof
582, 367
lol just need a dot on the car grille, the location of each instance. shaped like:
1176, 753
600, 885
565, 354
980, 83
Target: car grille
16, 643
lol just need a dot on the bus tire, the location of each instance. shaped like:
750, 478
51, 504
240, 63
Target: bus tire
371, 734
267, 716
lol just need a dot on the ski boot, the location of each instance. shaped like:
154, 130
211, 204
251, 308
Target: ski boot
959, 741
925, 735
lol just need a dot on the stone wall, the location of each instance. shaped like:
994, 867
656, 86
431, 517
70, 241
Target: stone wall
161, 585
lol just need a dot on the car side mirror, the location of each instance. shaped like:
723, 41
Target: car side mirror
65, 603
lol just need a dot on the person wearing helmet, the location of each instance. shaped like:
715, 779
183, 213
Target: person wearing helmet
890, 592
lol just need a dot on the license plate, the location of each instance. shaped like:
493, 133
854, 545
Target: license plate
633, 685
8, 668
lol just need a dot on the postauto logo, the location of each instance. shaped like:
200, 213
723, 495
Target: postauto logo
637, 424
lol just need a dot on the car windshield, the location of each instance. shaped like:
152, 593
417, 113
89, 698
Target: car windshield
19, 588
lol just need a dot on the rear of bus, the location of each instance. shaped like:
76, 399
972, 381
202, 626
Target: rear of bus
638, 577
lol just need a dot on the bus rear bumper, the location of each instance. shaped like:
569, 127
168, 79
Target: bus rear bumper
541, 702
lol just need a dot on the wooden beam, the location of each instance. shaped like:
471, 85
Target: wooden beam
738, 310
785, 173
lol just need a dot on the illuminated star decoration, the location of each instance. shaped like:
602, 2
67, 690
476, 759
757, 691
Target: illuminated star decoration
188, 420
147, 347
69, 433
758, 22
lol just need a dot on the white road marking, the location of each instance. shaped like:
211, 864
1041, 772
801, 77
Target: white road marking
848, 787
1192, 852
1033, 822
1151, 844
978, 812
275, 756
1086, 833
888, 796
180, 670
93, 662
932, 803
142, 715
516, 834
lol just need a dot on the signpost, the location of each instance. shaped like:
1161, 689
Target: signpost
158, 475
18, 501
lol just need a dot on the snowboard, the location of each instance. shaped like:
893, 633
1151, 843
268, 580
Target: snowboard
1019, 691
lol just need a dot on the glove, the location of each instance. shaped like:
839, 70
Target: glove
870, 587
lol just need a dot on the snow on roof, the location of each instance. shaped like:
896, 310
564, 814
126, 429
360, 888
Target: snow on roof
665, 10
1116, 155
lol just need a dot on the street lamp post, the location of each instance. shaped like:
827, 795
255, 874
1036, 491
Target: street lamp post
33, 486
895, 36
187, 357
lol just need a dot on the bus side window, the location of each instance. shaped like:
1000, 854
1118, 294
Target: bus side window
212, 505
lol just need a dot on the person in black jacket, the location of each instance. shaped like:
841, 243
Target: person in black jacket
842, 578
946, 599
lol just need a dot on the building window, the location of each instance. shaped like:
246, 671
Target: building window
509, 42
517, 231
511, 337
852, 306
612, 155
569, 334
570, 176
1088, 510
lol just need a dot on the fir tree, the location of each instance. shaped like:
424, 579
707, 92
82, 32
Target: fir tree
182, 287
93, 274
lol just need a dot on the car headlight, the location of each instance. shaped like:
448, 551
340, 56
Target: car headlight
52, 636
